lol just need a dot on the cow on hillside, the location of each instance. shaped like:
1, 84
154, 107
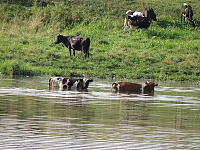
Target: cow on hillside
131, 14
75, 43
139, 19
131, 87
139, 22
187, 13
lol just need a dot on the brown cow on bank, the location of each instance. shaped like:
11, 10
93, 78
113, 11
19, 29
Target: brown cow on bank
75, 43
187, 13
131, 87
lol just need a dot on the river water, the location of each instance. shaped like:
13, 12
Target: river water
32, 117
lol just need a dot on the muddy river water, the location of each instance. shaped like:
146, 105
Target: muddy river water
32, 117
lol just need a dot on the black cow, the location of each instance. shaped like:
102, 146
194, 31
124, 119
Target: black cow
186, 12
75, 43
149, 13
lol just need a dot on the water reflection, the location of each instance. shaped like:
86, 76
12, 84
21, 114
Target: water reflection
32, 117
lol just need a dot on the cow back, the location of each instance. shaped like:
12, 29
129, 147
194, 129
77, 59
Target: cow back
127, 87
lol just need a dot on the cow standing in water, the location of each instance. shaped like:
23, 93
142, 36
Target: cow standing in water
75, 43
131, 87
187, 13
62, 83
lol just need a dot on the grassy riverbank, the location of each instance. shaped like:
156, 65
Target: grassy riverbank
168, 50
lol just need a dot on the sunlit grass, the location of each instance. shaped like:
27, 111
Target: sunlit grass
168, 50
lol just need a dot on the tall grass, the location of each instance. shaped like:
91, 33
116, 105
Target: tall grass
168, 50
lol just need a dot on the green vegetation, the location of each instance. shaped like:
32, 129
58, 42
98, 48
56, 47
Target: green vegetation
168, 50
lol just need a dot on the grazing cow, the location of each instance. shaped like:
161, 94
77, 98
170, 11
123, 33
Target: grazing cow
136, 19
187, 13
149, 13
134, 87
63, 83
75, 43
127, 22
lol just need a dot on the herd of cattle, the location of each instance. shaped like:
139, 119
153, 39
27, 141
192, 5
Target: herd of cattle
141, 20
144, 19
132, 18
62, 83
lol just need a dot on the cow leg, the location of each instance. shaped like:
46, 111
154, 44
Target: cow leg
70, 51
74, 52
85, 53
130, 30
181, 18
88, 54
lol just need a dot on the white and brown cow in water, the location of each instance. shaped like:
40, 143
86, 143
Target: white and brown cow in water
187, 13
62, 83
139, 19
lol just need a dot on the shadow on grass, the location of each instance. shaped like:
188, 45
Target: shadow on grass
166, 24
163, 35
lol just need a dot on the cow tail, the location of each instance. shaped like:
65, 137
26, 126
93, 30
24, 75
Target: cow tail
87, 47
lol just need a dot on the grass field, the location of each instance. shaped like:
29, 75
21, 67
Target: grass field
168, 50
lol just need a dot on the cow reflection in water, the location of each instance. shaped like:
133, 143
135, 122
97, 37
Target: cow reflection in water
62, 83
129, 87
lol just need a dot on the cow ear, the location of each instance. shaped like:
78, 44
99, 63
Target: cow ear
147, 82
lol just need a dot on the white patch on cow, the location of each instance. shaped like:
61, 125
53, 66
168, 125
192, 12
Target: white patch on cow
131, 29
118, 86
128, 11
85, 80
136, 13
142, 89
55, 81
74, 85
185, 4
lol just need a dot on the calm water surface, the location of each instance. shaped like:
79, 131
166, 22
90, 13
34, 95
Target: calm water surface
32, 117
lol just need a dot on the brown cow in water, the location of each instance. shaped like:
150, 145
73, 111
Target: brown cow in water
75, 43
62, 83
131, 87
187, 13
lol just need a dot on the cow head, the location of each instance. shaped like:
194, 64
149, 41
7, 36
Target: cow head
193, 23
83, 83
115, 86
149, 87
151, 14
59, 39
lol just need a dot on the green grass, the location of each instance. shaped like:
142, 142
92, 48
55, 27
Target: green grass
168, 50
